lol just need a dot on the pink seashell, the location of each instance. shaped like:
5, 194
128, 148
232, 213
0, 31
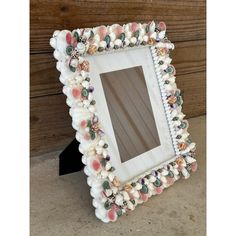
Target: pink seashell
83, 124
159, 190
68, 37
118, 30
73, 42
170, 180
144, 196
134, 27
115, 208
76, 92
102, 31
194, 166
162, 26
112, 216
96, 165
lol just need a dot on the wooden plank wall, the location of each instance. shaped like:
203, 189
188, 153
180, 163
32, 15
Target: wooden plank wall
50, 122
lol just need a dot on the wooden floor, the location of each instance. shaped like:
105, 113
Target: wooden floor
185, 19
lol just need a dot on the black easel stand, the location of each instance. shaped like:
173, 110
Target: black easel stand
70, 159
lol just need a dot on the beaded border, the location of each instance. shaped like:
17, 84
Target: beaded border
111, 199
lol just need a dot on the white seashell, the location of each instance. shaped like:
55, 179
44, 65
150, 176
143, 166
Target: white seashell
84, 160
81, 59
128, 34
150, 186
104, 153
152, 179
190, 159
96, 38
112, 36
92, 108
126, 196
101, 143
111, 176
58, 66
133, 40
185, 173
87, 33
127, 27
108, 192
164, 172
161, 35
79, 78
138, 186
152, 27
55, 33
130, 205
145, 38
163, 179
112, 45
108, 166
127, 41
114, 190
142, 32
104, 174
99, 150
136, 194
90, 97
119, 200
85, 84
86, 103
81, 48
74, 62
103, 44
53, 42
118, 42
154, 35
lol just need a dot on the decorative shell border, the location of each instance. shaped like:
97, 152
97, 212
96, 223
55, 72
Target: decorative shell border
111, 199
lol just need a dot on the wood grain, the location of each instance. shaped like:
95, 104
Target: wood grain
185, 19
51, 124
188, 57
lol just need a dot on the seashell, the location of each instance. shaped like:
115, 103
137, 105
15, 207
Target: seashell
81, 48
134, 27
102, 31
92, 108
101, 143
90, 97
108, 166
104, 174
119, 200
96, 38
76, 92
162, 26
96, 165
118, 42
172, 100
159, 190
86, 103
74, 62
153, 35
152, 179
103, 44
111, 176
85, 84
116, 182
138, 186
111, 215
114, 189
142, 32
85, 66
53, 42
128, 35
130, 205
127, 187
136, 194
145, 38
126, 196
182, 146
161, 35
108, 192
133, 40
117, 30
92, 49
126, 41
152, 26
151, 41
87, 33
112, 37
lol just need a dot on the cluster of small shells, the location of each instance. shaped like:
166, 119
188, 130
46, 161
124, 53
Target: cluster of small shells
111, 199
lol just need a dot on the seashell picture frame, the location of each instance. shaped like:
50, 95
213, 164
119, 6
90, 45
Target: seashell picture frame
126, 110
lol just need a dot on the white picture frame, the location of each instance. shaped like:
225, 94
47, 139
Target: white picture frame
83, 55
